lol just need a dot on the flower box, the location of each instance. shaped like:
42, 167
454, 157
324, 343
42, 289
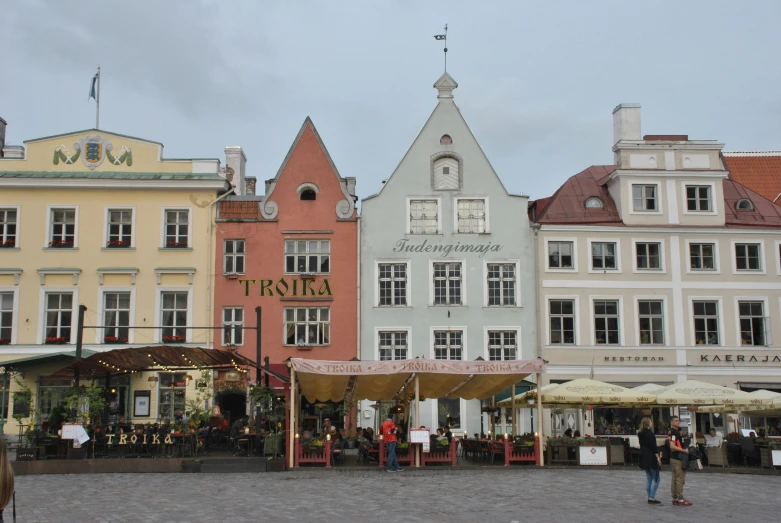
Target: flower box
56, 341
4, 341
174, 339
117, 244
176, 245
8, 244
61, 244
114, 339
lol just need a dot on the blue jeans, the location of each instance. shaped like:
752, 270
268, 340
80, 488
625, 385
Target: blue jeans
392, 456
652, 479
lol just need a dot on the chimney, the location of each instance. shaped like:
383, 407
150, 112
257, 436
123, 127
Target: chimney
626, 122
250, 182
3, 125
236, 161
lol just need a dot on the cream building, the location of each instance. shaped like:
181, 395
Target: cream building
103, 220
658, 269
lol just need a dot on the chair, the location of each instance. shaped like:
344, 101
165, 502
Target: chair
337, 452
494, 449
748, 449
717, 456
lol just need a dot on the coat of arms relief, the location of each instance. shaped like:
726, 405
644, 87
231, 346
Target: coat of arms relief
93, 150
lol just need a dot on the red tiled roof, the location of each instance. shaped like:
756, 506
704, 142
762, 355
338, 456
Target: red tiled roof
239, 210
760, 172
764, 214
568, 204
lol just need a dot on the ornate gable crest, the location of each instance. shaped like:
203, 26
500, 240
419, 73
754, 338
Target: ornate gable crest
93, 150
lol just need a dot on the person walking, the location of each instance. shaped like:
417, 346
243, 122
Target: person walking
650, 459
389, 434
6, 480
677, 454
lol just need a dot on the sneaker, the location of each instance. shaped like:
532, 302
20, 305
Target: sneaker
654, 502
676, 502
388, 470
685, 503
399, 470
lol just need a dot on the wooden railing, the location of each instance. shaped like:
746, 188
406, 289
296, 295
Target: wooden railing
313, 454
440, 454
403, 456
517, 453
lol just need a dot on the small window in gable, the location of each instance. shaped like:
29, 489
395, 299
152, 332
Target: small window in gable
446, 140
744, 205
446, 174
308, 194
594, 203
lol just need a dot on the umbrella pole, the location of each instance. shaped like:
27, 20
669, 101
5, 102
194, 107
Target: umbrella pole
539, 420
493, 416
512, 429
417, 418
292, 438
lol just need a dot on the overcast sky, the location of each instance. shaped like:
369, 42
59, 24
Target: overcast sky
537, 80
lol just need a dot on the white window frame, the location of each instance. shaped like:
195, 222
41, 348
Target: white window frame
431, 263
463, 414
159, 312
564, 297
232, 325
776, 254
42, 311
766, 314
517, 264
762, 262
305, 254
716, 257
621, 320
712, 197
377, 264
591, 269
659, 200
408, 220
487, 215
15, 316
99, 334
665, 320
295, 321
107, 229
234, 255
48, 232
462, 329
377, 331
18, 209
662, 265
518, 348
546, 254
720, 308
189, 227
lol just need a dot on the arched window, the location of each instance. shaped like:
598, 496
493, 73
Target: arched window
446, 140
308, 194
594, 203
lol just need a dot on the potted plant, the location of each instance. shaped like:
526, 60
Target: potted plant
8, 244
60, 244
176, 245
175, 338
56, 340
4, 341
117, 244
114, 340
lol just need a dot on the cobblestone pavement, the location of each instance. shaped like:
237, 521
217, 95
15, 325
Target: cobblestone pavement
477, 495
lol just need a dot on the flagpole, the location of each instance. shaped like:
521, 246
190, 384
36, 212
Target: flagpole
97, 104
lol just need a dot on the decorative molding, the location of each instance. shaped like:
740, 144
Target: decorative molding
132, 271
308, 232
190, 271
59, 270
307, 185
16, 273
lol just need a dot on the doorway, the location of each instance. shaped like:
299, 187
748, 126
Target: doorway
233, 404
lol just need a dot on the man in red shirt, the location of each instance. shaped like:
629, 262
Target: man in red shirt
389, 435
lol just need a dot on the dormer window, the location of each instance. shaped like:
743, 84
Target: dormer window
307, 191
744, 204
446, 174
308, 194
594, 203
446, 140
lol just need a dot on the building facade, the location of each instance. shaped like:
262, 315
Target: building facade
658, 269
103, 220
446, 265
293, 253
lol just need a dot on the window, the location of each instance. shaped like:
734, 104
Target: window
706, 322
449, 413
606, 322
603, 255
501, 284
447, 283
59, 316
651, 321
116, 317
644, 197
392, 284
120, 228
177, 228
62, 233
502, 345
594, 203
307, 256
393, 345
747, 257
744, 204
307, 326
752, 322
562, 322
698, 198
448, 345
560, 255
423, 217
233, 257
648, 255
233, 326
174, 316
701, 256
446, 140
471, 216
445, 172
7, 228
6, 317
173, 393
51, 394
308, 194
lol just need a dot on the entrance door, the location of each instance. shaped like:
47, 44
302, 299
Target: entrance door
232, 404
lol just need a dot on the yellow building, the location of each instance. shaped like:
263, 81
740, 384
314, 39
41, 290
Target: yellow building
103, 220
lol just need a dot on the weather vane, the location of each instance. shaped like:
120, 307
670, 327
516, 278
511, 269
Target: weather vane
443, 37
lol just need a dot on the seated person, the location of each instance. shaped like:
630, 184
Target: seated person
237, 428
713, 439
440, 437
448, 435
568, 433
577, 434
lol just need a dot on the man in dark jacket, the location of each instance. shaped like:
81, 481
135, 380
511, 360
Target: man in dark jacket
677, 452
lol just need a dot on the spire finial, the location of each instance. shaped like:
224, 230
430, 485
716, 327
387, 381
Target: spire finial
443, 37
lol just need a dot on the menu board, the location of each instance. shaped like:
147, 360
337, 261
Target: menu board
593, 455
70, 430
419, 436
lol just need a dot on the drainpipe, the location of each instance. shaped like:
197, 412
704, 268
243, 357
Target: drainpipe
358, 327
536, 249
209, 287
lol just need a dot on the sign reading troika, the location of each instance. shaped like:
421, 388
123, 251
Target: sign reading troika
288, 288
143, 439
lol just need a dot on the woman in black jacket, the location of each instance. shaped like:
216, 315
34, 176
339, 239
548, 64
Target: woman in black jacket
650, 459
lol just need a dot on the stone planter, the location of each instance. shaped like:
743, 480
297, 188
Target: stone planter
275, 465
191, 466
26, 453
74, 453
